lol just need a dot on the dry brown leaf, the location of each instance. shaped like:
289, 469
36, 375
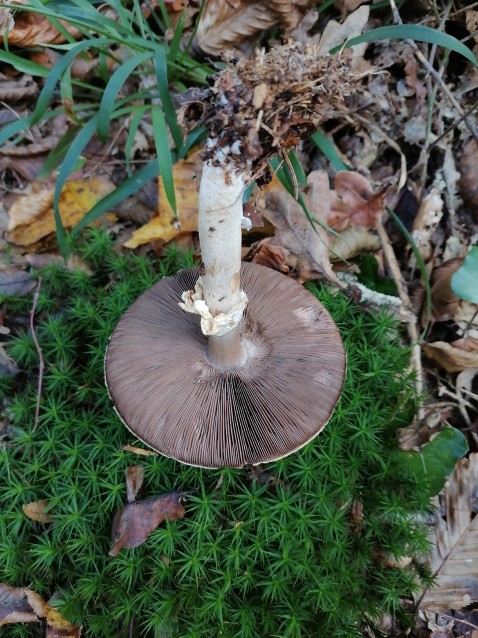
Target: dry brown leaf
12, 90
427, 220
444, 302
266, 253
454, 558
137, 520
31, 216
133, 523
308, 247
335, 33
472, 22
353, 202
26, 28
451, 356
468, 184
37, 511
227, 24
165, 226
19, 604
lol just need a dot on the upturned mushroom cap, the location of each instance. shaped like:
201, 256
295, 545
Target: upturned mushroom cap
171, 397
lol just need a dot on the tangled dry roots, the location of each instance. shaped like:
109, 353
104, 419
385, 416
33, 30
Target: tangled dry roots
271, 101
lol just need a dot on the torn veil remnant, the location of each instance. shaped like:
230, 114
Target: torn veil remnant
249, 366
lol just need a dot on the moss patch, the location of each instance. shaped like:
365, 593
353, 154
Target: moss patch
293, 549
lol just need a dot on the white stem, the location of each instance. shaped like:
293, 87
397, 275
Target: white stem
220, 215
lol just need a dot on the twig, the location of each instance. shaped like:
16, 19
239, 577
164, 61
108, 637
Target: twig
405, 299
435, 74
465, 622
41, 366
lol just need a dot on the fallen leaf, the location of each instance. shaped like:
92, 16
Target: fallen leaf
20, 604
165, 226
426, 222
266, 253
308, 246
468, 184
12, 90
353, 202
8, 368
335, 34
26, 28
31, 216
15, 282
444, 302
133, 523
451, 356
224, 25
137, 520
38, 511
353, 241
454, 556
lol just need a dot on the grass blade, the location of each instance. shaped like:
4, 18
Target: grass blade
128, 187
161, 68
327, 147
56, 155
165, 159
133, 127
57, 71
416, 32
67, 167
23, 65
108, 100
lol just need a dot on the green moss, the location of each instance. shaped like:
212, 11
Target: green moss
286, 553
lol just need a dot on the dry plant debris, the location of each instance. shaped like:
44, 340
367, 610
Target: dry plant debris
133, 523
21, 605
454, 559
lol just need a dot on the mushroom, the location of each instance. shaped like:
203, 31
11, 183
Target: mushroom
249, 366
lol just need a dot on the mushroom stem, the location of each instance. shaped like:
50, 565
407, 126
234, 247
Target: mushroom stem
220, 216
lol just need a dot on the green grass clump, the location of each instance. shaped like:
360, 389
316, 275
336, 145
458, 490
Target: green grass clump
286, 551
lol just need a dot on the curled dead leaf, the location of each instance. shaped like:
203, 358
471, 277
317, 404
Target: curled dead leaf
451, 356
26, 28
20, 604
224, 25
307, 245
38, 511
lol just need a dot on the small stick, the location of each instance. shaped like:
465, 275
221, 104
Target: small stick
41, 366
411, 325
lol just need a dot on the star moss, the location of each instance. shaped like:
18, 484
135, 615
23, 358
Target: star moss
295, 548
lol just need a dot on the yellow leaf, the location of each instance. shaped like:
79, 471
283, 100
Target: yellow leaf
31, 216
165, 226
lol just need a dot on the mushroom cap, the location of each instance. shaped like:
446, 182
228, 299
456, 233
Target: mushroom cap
172, 398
